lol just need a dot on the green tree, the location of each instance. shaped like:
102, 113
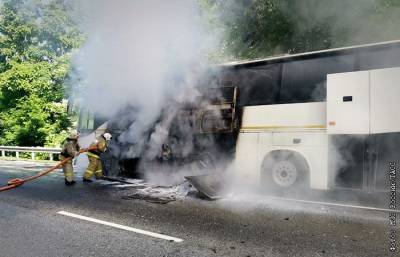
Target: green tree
37, 39
260, 28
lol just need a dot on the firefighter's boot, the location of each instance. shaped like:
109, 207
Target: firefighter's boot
69, 183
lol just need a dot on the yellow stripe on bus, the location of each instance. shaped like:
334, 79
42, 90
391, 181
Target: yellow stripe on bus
283, 127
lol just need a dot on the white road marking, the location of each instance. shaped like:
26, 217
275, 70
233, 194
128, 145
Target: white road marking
335, 204
136, 230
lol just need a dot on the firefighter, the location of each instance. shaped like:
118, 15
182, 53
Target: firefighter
95, 167
70, 148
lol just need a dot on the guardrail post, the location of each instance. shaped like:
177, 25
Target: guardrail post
32, 150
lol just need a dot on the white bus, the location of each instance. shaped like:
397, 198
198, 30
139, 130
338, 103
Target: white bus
319, 120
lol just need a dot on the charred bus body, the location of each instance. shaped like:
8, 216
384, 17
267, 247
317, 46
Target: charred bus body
186, 135
286, 87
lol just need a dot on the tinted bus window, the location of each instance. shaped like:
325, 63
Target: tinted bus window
86, 120
387, 58
305, 80
98, 121
257, 85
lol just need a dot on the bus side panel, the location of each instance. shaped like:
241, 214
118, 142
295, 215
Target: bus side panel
384, 97
312, 146
246, 161
317, 159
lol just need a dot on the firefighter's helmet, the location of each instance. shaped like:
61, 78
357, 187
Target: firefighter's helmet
73, 135
107, 136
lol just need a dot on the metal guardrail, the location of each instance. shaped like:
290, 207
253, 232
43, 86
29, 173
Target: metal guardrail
32, 150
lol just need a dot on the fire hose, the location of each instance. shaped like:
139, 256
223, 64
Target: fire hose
16, 182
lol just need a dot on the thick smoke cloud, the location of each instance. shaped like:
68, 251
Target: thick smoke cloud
137, 57
138, 54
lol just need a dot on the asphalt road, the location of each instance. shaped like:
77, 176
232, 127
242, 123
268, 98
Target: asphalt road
30, 224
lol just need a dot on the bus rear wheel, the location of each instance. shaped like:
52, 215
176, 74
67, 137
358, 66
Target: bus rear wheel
284, 171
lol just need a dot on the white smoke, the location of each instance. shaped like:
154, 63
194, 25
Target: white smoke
138, 54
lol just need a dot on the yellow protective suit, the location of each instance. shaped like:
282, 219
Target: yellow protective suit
95, 167
69, 149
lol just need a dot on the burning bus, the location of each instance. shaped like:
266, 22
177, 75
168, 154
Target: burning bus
320, 120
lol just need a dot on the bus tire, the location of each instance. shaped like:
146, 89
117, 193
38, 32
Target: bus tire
284, 171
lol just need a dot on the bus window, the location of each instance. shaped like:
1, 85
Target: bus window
86, 121
305, 80
257, 85
380, 59
90, 122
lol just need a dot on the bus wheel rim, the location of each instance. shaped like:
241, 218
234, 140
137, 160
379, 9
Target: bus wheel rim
284, 174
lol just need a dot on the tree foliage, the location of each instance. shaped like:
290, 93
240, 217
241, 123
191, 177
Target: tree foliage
37, 38
260, 28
